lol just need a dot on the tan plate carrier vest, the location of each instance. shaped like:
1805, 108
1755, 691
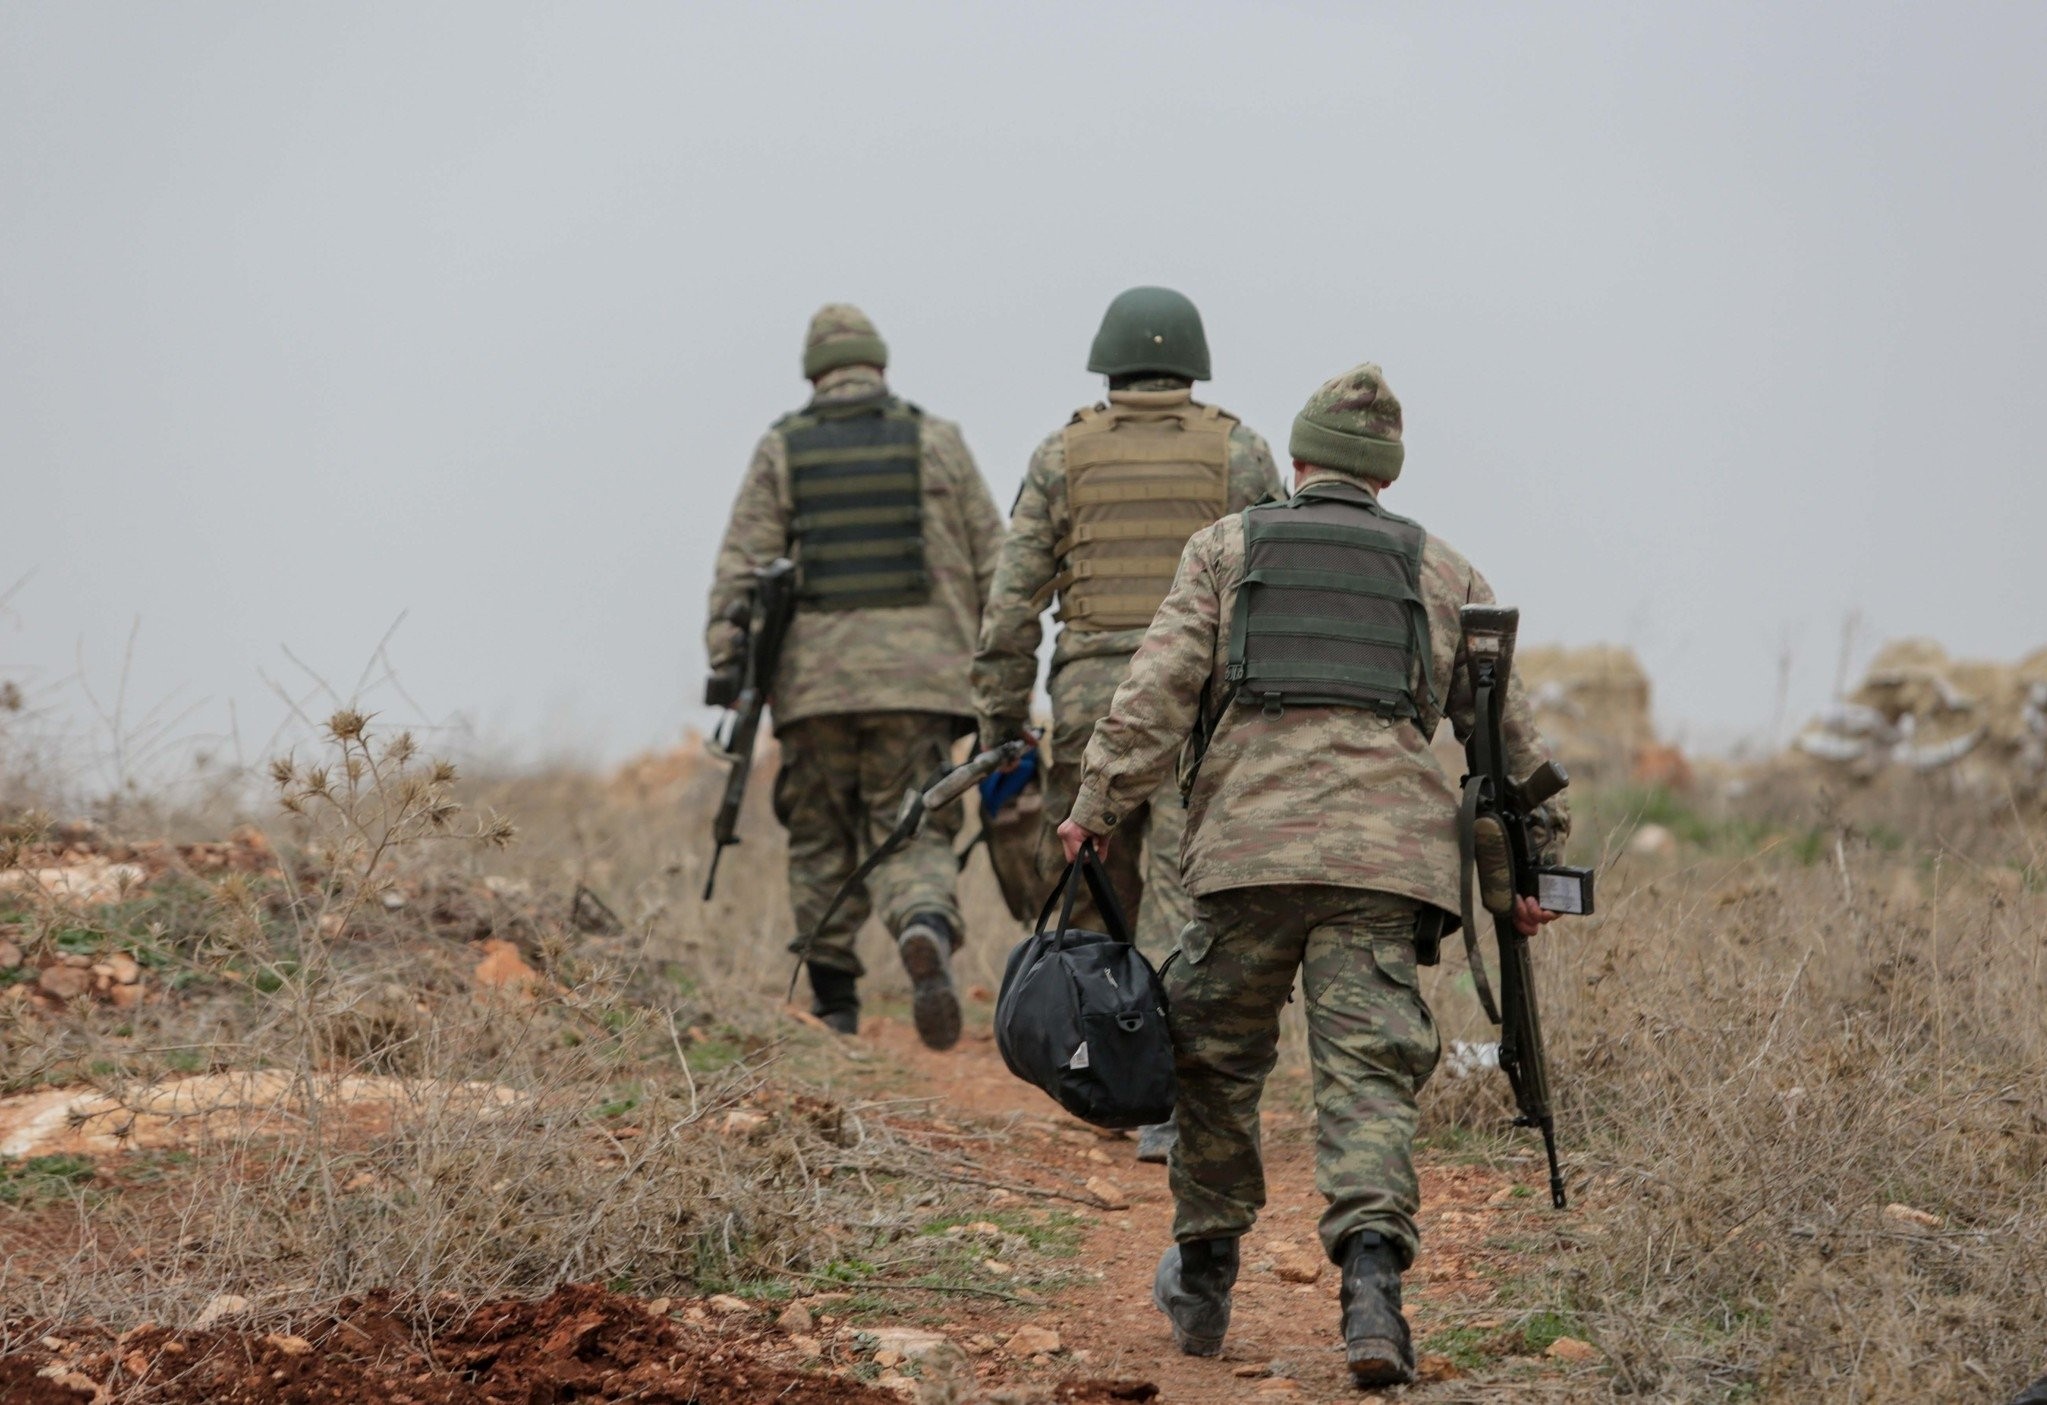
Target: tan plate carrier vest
1143, 474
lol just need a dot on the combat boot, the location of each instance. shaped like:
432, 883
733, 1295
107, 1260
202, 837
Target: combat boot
926, 944
1155, 1143
2034, 1394
1192, 1288
1374, 1332
835, 998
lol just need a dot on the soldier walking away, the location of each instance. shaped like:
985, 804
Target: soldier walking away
894, 536
1313, 646
1106, 506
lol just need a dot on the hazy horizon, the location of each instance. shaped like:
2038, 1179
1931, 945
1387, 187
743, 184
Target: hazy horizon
1716, 329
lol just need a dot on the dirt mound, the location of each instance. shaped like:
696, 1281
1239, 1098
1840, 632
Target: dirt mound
580, 1343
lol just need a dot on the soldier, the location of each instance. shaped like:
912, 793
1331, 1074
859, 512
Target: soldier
894, 535
1105, 508
1315, 663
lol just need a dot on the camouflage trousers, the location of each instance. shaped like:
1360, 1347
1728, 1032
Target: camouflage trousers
1144, 860
1371, 1041
842, 778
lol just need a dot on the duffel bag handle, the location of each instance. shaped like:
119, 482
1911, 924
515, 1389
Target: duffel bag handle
1088, 868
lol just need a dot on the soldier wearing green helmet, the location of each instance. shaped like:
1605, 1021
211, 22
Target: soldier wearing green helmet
1107, 504
894, 536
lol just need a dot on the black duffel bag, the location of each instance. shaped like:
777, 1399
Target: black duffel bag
1083, 1014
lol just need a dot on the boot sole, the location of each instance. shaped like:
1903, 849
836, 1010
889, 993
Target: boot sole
1189, 1346
1377, 1364
935, 1005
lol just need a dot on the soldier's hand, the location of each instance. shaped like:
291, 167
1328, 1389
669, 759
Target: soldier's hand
1072, 836
1529, 915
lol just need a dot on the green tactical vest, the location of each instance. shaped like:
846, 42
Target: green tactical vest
854, 472
1330, 613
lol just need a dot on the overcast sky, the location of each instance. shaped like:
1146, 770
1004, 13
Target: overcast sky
1714, 324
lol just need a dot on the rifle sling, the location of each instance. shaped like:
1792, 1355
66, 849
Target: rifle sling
1467, 815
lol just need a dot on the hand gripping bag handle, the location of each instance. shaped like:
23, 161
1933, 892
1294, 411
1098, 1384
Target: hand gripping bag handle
1087, 867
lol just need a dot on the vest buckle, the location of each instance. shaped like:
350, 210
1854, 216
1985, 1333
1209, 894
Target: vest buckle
1273, 706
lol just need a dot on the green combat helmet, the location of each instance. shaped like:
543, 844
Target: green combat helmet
841, 335
1150, 329
1351, 424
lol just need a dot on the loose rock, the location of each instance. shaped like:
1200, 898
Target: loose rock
1032, 1341
1572, 1350
1108, 1192
219, 1308
1907, 1215
64, 982
796, 1320
727, 1304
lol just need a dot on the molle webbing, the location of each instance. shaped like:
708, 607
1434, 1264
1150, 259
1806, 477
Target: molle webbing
1142, 476
854, 473
1330, 612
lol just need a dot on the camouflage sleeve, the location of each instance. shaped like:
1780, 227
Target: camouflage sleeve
1253, 476
756, 535
1526, 748
984, 527
1006, 660
1156, 704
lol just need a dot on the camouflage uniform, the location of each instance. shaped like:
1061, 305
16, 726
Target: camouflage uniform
867, 701
1316, 839
1086, 667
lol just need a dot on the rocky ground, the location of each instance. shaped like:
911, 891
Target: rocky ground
1049, 1300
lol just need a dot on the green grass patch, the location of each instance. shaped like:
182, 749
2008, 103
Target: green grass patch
39, 1178
1054, 1233
1466, 1346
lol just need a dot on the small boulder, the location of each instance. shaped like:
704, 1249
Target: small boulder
1108, 1192
1910, 1217
1032, 1341
64, 982
727, 1304
796, 1320
219, 1308
1572, 1350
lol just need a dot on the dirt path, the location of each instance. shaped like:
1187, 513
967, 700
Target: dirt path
1284, 1338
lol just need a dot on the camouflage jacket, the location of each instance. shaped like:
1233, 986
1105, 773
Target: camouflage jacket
1329, 795
911, 658
1006, 661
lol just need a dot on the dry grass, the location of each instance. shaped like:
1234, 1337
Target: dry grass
1761, 1044
578, 1127
1810, 1012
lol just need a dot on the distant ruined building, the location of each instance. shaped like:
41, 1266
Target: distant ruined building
1919, 711
1592, 703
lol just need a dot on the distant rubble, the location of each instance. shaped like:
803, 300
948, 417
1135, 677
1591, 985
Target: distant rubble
1917, 710
1592, 703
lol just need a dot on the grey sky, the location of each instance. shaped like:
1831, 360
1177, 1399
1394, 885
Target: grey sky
1713, 323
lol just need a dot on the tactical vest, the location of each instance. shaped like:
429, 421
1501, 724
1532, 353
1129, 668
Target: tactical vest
1143, 474
855, 476
1330, 613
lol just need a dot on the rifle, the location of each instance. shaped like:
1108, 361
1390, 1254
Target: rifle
909, 819
763, 618
1496, 827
